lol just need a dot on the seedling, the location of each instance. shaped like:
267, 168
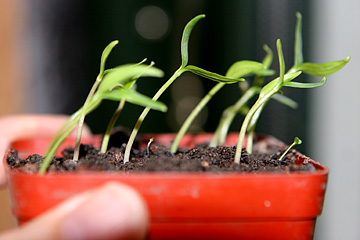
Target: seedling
241, 105
118, 84
148, 146
112, 84
285, 80
183, 68
237, 70
297, 141
115, 116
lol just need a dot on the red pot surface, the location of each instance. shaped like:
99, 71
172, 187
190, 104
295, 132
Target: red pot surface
190, 205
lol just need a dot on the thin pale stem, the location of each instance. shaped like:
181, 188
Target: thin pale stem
229, 115
61, 131
146, 111
251, 129
247, 121
106, 138
223, 127
64, 134
242, 136
82, 118
250, 141
56, 145
287, 150
195, 112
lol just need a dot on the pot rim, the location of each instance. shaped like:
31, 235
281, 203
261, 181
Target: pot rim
96, 139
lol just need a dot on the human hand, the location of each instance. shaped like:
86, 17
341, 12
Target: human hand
113, 211
26, 126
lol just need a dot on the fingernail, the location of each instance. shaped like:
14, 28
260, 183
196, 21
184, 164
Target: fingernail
111, 212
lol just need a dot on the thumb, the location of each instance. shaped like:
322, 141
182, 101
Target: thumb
24, 126
114, 211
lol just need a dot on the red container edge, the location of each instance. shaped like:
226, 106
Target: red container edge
302, 193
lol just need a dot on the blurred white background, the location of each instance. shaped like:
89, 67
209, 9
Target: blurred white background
335, 113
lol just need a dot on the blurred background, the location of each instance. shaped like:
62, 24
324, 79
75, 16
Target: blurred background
50, 52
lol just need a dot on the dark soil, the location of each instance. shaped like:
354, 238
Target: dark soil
159, 158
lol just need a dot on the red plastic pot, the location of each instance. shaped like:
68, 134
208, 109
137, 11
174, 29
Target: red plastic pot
189, 205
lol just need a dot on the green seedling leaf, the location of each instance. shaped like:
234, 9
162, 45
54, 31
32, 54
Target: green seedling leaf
123, 74
290, 76
281, 61
323, 69
185, 39
267, 61
285, 100
298, 51
305, 85
274, 83
268, 87
105, 55
212, 76
264, 72
132, 96
242, 68
297, 141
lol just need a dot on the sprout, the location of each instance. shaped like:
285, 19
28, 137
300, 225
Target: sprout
183, 68
241, 105
237, 70
148, 147
112, 84
285, 80
297, 141
119, 83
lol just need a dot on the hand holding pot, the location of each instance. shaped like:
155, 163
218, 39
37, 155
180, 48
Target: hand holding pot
113, 211
27, 126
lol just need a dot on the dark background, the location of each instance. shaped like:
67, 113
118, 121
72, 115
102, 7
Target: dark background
68, 37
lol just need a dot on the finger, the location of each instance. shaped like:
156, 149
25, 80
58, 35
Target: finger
114, 211
24, 126
27, 126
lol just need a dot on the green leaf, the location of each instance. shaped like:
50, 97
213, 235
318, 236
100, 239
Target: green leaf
292, 75
212, 76
185, 39
267, 61
242, 68
268, 88
105, 55
281, 61
134, 97
285, 101
305, 85
274, 84
323, 69
264, 72
123, 74
297, 141
298, 54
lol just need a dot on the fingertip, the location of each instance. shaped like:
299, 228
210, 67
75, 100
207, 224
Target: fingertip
115, 211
